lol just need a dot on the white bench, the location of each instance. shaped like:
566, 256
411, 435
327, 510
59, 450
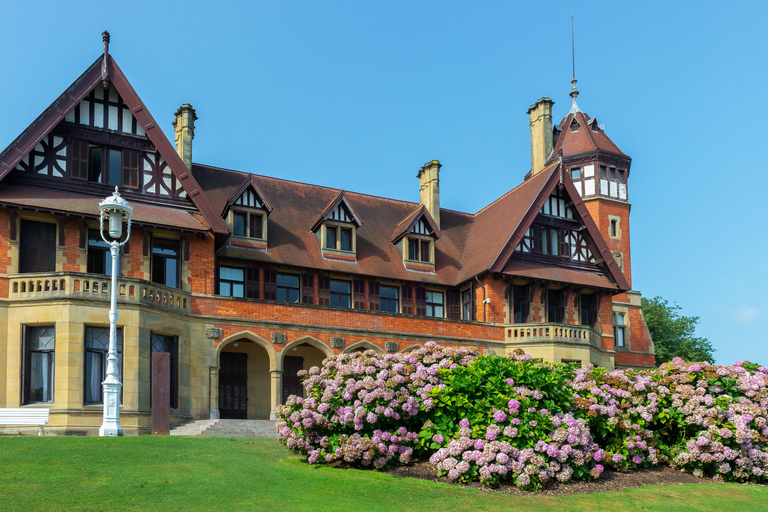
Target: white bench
37, 417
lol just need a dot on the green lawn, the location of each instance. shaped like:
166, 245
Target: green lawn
176, 473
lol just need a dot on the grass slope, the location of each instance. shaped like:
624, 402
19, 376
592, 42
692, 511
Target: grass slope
187, 474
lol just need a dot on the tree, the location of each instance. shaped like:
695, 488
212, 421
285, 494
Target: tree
673, 334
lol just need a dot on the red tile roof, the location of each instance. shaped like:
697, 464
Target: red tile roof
547, 272
470, 244
584, 140
56, 201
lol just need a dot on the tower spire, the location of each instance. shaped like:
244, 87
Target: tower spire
574, 91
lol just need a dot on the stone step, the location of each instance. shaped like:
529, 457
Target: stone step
227, 428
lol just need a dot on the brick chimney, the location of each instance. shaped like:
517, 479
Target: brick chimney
184, 127
541, 133
429, 188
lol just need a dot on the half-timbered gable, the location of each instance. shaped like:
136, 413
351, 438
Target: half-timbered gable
557, 232
100, 142
98, 135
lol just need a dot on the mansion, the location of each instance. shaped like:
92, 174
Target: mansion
244, 280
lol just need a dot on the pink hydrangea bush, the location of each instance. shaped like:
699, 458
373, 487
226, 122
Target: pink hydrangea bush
364, 408
509, 418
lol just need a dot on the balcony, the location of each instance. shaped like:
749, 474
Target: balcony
552, 332
76, 285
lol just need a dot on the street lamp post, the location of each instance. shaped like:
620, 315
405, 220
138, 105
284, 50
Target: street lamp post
116, 210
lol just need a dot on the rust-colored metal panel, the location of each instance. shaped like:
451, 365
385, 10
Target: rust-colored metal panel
161, 393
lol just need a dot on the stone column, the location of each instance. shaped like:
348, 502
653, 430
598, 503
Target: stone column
277, 391
213, 392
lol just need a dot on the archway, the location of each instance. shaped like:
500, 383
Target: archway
362, 346
301, 354
244, 379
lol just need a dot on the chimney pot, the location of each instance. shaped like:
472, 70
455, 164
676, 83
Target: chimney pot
541, 133
184, 129
429, 188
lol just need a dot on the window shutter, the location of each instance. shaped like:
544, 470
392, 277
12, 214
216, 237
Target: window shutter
252, 282
425, 256
374, 301
561, 307
324, 290
407, 305
358, 286
270, 284
79, 162
130, 168
307, 288
255, 225
454, 304
421, 301
537, 234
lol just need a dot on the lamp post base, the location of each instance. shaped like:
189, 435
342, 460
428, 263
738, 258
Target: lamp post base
111, 424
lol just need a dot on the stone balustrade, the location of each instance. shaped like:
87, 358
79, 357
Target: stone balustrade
73, 285
552, 332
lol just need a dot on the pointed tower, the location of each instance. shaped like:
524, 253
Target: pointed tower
599, 170
600, 173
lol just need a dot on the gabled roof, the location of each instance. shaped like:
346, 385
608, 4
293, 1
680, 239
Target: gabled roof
248, 182
554, 177
584, 140
470, 244
494, 226
57, 111
410, 221
340, 200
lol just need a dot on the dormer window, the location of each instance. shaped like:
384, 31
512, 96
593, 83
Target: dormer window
339, 237
246, 214
416, 235
336, 229
248, 224
420, 249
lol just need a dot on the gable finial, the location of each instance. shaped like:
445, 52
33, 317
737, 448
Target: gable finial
104, 68
574, 91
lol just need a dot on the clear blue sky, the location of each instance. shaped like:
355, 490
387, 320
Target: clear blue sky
358, 95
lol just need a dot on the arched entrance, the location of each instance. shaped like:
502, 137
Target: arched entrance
297, 357
244, 381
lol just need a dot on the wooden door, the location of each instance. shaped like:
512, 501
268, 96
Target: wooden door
233, 385
291, 381
161, 393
